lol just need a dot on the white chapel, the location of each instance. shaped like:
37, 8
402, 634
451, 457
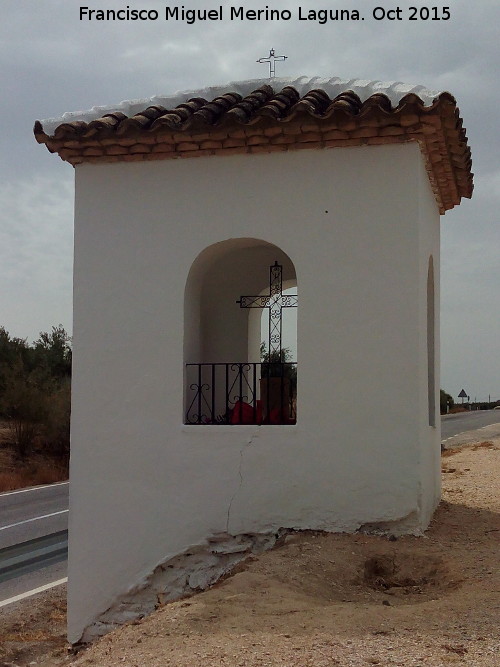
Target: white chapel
194, 440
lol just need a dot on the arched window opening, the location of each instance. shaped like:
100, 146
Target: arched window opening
232, 375
431, 371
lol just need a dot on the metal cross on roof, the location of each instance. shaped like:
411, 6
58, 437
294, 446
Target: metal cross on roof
275, 301
271, 59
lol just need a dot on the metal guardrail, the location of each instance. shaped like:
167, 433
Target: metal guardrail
33, 555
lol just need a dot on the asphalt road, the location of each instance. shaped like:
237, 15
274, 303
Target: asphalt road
25, 515
46, 576
31, 513
467, 421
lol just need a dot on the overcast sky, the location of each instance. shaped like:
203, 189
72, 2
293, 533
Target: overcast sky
52, 62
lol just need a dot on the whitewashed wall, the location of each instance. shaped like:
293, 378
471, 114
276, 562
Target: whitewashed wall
359, 225
429, 438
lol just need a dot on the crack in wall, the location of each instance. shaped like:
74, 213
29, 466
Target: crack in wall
240, 475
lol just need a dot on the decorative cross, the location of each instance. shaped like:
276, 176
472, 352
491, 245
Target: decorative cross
275, 301
271, 59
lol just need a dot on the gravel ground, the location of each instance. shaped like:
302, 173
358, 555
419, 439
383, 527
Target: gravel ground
321, 599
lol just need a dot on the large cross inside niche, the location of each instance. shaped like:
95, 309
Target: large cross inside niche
275, 301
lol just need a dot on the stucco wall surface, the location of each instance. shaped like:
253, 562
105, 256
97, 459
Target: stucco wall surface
429, 438
358, 225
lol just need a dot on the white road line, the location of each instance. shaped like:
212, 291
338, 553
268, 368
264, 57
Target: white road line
36, 518
28, 594
34, 488
455, 436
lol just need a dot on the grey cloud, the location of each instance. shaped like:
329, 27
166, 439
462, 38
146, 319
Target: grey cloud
52, 63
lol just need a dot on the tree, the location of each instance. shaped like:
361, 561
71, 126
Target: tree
25, 405
12, 350
55, 431
52, 352
35, 390
445, 401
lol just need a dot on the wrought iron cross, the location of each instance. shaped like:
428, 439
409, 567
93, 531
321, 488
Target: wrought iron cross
275, 301
271, 59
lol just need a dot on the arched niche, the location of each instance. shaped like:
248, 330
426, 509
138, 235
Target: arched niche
431, 342
216, 329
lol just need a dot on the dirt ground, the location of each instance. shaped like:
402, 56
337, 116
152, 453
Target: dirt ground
321, 599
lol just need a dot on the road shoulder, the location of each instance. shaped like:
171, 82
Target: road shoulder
471, 437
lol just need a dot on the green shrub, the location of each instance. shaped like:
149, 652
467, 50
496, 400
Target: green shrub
35, 390
445, 401
25, 405
55, 428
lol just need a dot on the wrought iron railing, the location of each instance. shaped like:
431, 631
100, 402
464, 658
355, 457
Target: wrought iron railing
241, 393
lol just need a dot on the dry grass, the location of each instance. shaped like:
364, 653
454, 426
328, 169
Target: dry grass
36, 470
446, 453
487, 445
34, 474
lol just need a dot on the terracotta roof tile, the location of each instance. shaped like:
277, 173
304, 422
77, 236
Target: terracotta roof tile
265, 120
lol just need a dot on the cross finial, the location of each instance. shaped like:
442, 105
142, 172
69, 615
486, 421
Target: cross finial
271, 59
